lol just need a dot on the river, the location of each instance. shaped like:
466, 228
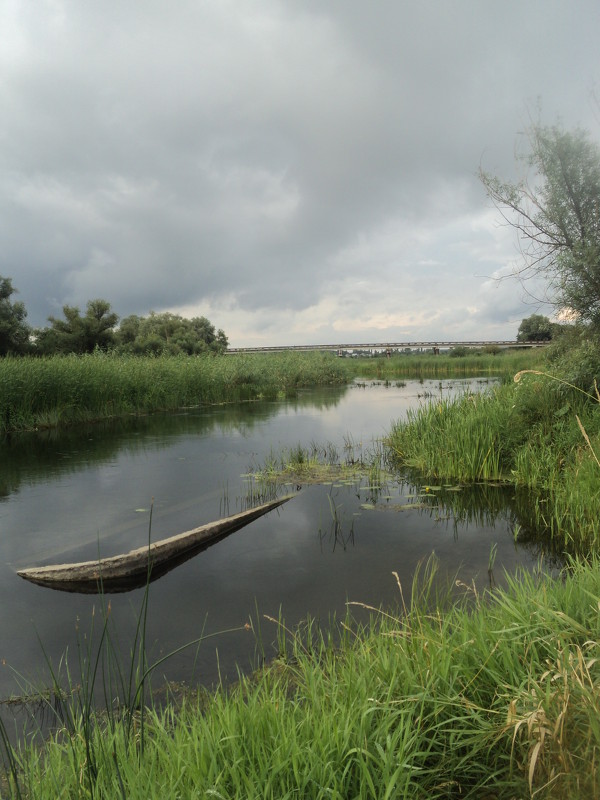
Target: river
69, 496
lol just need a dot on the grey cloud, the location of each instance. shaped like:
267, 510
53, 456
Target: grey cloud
163, 157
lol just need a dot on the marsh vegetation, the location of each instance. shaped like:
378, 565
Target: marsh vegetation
449, 692
63, 390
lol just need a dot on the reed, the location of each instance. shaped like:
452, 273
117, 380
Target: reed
504, 363
528, 434
493, 695
470, 438
321, 463
62, 390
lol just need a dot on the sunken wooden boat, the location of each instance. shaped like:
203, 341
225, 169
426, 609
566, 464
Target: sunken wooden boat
145, 564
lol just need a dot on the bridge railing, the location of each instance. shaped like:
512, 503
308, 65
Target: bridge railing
384, 346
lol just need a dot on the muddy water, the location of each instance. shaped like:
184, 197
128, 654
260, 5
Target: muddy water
69, 497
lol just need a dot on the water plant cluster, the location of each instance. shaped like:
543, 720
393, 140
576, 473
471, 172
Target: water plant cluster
322, 462
62, 390
540, 432
503, 364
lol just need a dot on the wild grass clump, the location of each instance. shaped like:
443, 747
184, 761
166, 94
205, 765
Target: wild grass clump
464, 439
539, 433
62, 390
494, 696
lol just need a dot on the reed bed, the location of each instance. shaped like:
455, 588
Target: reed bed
61, 390
537, 435
502, 364
493, 696
463, 439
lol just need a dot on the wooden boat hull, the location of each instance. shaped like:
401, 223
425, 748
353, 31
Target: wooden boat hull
134, 569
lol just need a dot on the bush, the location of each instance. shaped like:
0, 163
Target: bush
459, 352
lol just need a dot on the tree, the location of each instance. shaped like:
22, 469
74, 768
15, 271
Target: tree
169, 333
535, 328
77, 334
556, 212
14, 332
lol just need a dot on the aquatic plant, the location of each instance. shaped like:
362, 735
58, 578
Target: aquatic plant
426, 365
527, 433
62, 390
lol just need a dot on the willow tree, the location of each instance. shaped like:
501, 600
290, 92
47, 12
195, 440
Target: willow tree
555, 209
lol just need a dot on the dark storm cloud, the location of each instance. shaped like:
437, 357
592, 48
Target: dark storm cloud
256, 162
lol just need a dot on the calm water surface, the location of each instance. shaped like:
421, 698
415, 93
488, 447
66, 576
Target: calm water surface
69, 497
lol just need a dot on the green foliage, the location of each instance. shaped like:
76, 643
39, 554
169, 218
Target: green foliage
157, 334
466, 439
575, 357
535, 328
527, 433
169, 334
77, 334
498, 364
557, 216
14, 332
459, 351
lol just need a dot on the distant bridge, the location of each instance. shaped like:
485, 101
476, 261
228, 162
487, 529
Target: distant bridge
385, 346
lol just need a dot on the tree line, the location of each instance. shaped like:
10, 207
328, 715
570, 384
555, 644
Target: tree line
99, 328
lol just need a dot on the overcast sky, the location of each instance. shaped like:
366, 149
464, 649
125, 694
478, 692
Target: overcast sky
298, 171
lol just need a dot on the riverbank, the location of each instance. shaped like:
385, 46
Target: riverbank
495, 696
539, 432
471, 363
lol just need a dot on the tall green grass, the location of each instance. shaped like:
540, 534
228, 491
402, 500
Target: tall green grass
528, 434
502, 364
464, 439
61, 390
488, 696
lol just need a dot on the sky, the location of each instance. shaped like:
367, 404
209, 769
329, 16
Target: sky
297, 171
